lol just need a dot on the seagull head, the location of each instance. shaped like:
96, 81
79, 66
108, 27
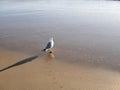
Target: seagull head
51, 39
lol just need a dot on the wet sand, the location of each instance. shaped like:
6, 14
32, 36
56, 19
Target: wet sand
48, 73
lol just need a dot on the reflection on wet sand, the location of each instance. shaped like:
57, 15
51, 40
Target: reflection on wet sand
51, 56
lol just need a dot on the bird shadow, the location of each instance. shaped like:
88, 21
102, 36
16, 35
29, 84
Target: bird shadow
26, 60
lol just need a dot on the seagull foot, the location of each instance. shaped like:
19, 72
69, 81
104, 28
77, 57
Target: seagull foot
50, 52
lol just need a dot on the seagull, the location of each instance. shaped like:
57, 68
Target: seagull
49, 45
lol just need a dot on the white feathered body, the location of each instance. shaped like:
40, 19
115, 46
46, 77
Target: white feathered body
49, 45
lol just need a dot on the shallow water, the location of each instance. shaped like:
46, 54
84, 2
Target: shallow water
85, 32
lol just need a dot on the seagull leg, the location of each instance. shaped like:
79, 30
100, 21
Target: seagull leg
50, 52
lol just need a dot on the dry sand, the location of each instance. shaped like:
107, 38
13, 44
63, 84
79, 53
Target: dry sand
48, 73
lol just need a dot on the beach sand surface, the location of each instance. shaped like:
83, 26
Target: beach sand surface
47, 73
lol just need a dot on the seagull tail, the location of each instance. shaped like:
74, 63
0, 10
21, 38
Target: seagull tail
44, 50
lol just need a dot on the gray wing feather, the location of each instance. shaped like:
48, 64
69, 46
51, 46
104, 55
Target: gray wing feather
48, 45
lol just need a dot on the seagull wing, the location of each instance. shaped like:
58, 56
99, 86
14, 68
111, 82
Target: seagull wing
48, 45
